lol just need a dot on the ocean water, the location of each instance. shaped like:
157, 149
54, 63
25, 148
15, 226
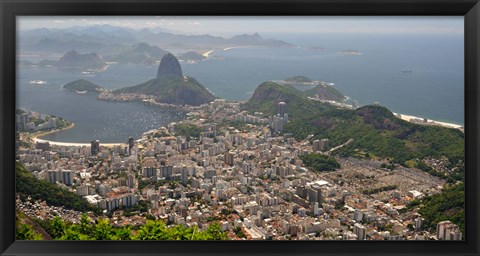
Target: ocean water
434, 89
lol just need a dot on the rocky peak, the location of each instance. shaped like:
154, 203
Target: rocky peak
169, 65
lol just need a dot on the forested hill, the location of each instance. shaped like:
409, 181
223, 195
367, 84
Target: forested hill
375, 131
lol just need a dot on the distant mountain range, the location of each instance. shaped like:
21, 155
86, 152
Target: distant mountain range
141, 53
108, 40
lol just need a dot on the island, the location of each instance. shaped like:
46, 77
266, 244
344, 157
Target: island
83, 86
351, 52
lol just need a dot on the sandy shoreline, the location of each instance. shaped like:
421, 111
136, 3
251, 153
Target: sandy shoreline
35, 139
410, 118
69, 144
206, 54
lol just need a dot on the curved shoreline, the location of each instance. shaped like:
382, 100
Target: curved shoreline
411, 119
35, 139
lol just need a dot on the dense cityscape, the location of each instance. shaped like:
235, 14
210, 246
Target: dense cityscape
249, 178
248, 147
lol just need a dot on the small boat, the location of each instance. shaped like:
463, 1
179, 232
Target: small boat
81, 92
407, 71
37, 82
88, 73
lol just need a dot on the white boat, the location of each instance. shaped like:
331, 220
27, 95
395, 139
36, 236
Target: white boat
82, 92
37, 82
88, 73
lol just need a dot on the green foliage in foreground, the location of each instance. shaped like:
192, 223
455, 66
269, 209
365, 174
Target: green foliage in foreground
319, 162
27, 185
26, 232
448, 205
152, 230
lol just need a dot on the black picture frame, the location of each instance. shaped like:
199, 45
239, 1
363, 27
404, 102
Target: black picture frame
470, 9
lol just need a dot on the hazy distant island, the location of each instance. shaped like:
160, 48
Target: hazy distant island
72, 60
350, 52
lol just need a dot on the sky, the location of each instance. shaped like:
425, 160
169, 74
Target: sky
234, 25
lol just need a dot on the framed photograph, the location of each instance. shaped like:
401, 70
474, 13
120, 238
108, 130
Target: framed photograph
265, 128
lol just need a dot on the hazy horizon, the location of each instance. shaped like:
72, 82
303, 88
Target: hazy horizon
230, 26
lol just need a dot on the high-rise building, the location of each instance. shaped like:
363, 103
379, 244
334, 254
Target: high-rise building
130, 145
228, 158
95, 147
130, 180
419, 223
282, 108
67, 177
301, 191
277, 123
45, 146
446, 230
360, 231
149, 172
24, 120
316, 146
323, 144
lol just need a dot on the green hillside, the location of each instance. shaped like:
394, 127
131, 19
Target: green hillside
27, 185
375, 131
173, 89
269, 94
448, 205
325, 92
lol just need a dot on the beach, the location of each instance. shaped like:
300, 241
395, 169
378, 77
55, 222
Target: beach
421, 120
206, 54
70, 144
35, 139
